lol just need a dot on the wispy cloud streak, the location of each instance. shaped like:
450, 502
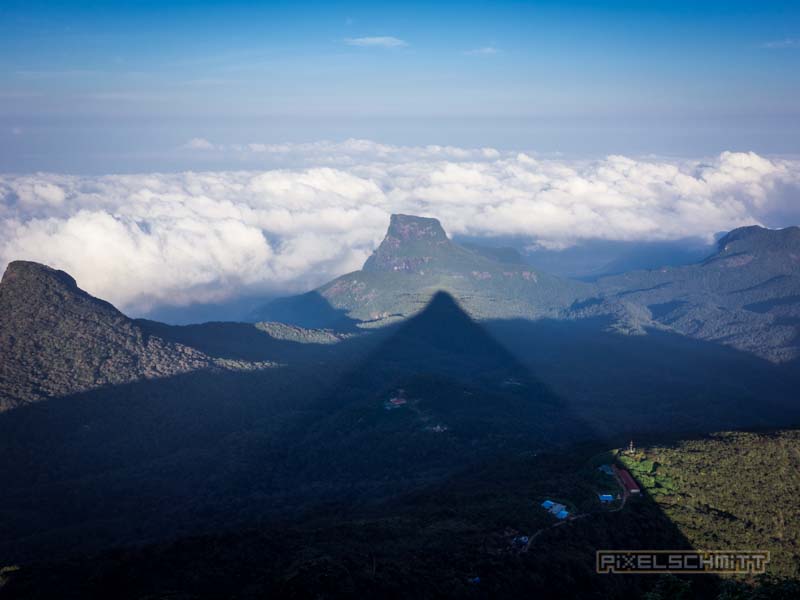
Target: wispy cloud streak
485, 51
782, 44
383, 41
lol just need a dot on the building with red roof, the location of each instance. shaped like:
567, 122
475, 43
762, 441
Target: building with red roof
627, 481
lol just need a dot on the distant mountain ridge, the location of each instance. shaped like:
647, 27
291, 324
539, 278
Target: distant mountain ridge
746, 295
760, 239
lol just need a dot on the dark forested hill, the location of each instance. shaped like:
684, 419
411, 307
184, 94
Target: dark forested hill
55, 339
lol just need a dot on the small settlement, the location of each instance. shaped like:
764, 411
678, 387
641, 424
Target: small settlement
558, 510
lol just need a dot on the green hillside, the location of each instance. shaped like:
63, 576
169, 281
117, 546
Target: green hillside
730, 490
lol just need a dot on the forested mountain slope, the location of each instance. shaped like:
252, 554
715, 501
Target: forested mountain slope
55, 339
746, 295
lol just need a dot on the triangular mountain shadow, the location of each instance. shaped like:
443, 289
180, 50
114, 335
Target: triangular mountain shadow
444, 332
438, 394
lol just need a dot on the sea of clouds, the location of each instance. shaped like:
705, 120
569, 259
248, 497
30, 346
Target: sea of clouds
179, 238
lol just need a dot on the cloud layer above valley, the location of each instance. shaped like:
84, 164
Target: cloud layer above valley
175, 239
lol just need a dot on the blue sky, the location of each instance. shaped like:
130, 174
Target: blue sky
114, 86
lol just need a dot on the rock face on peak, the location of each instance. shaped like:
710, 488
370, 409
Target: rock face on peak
407, 228
34, 273
413, 244
55, 339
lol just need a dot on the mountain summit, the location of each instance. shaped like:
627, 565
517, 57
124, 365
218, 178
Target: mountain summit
409, 228
415, 260
759, 239
32, 273
413, 244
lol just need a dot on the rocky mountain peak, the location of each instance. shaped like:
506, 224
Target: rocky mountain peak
33, 288
25, 273
407, 228
410, 244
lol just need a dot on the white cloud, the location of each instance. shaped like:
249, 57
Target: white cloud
198, 144
485, 51
382, 41
784, 43
149, 239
